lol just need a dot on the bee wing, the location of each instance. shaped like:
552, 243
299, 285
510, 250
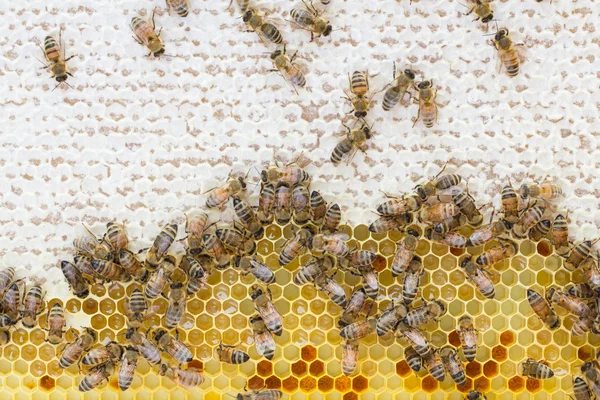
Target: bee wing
307, 22
151, 312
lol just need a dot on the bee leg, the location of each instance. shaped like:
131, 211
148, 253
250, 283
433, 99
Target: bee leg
137, 40
169, 7
153, 23
159, 31
418, 116
312, 37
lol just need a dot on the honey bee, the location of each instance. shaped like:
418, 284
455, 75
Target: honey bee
312, 269
579, 254
535, 370
399, 205
582, 290
267, 31
96, 377
510, 204
333, 244
129, 262
263, 394
291, 175
136, 309
531, 216
90, 245
235, 239
283, 200
231, 355
429, 311
506, 248
6, 321
475, 395
542, 309
435, 366
415, 338
180, 7
453, 365
84, 264
394, 313
198, 223
480, 278
560, 235
57, 63
570, 303
263, 339
72, 351
247, 217
146, 348
79, 285
256, 268
265, 203
510, 58
405, 252
399, 88
332, 289
466, 204
332, 219
360, 258
10, 304
267, 310
187, 378
540, 230
427, 106
545, 191
292, 247
176, 307
160, 278
4, 337
581, 391
591, 274
437, 213
413, 359
173, 346
591, 375
161, 246
318, 207
33, 305
451, 239
449, 224
311, 20
488, 232
354, 141
146, 35
468, 337
286, 68
218, 196
410, 286
482, 9
353, 307
6, 277
110, 271
300, 204
349, 357
370, 280
361, 102
108, 351
214, 248
56, 324
437, 183
386, 224
582, 326
359, 329
127, 368
116, 236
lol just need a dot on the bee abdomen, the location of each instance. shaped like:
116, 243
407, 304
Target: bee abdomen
470, 353
511, 63
301, 17
340, 150
272, 33
359, 83
391, 98
180, 7
51, 48
438, 372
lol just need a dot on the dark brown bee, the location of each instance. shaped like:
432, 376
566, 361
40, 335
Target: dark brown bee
179, 6
591, 375
437, 213
544, 191
466, 204
57, 63
116, 236
582, 290
582, 326
176, 307
146, 35
453, 365
108, 351
355, 140
480, 278
334, 244
399, 88
263, 394
231, 355
96, 377
535, 370
265, 203
214, 247
127, 367
581, 390
110, 271
413, 359
160, 278
267, 310
56, 324
247, 217
132, 265
267, 31
506, 248
410, 286
332, 289
33, 305
360, 101
370, 280
531, 216
263, 339
399, 206
349, 357
560, 235
332, 219
429, 311
161, 246
236, 240
468, 337
72, 351
282, 206
542, 309
318, 207
488, 232
405, 252
387, 224
415, 338
291, 175
311, 20
540, 230
256, 268
312, 269
359, 329
510, 204
84, 264
173, 347
10, 304
6, 277
482, 9
450, 224
570, 303
292, 247
394, 313
146, 348
136, 309
579, 254
353, 307
301, 204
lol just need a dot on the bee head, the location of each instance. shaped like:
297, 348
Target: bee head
176, 285
276, 54
410, 73
424, 85
487, 18
503, 32
465, 261
242, 182
129, 333
247, 15
360, 114
420, 189
256, 292
367, 131
62, 78
328, 30
159, 334
413, 232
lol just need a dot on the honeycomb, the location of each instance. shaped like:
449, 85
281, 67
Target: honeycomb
307, 357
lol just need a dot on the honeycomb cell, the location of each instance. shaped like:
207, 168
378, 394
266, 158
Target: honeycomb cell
343, 384
350, 396
47, 383
299, 368
325, 384
490, 369
255, 383
317, 368
273, 382
264, 368
308, 384
533, 385
429, 384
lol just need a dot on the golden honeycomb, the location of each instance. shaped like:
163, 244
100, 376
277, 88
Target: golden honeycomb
307, 358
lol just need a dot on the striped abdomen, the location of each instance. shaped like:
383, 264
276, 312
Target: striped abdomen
435, 366
578, 255
150, 352
302, 17
410, 287
52, 49
265, 344
560, 231
333, 216
6, 277
179, 352
231, 355
510, 60
340, 150
116, 235
32, 306
447, 181
271, 32
391, 97
179, 6
165, 239
142, 29
428, 114
359, 84
296, 76
92, 380
413, 359
349, 357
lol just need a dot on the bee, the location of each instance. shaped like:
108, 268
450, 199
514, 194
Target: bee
90, 245
581, 390
6, 277
429, 311
591, 274
292, 247
160, 278
286, 68
582, 326
540, 230
353, 307
332, 219
188, 378
399, 206
10, 303
591, 375
570, 303
332, 289
108, 351
360, 258
267, 31
146, 35
242, 4
427, 106
116, 236
218, 196
405, 252
506, 248
56, 324
265, 203
438, 212
480, 278
110, 271
349, 357
482, 9
300, 204
129, 262
291, 175
173, 346
413, 359
247, 217
582, 290
57, 63
312, 269
127, 368
437, 183
33, 305
198, 223
579, 254
72, 351
311, 20
415, 338
449, 224
560, 235
231, 355
394, 313
256, 268
535, 370
531, 216
318, 207
6, 321
161, 246
475, 395
176, 307
333, 244
180, 7
510, 58
542, 309
354, 141
386, 224
146, 348
399, 88
283, 200
450, 239
4, 337
263, 339
370, 280
435, 366
488, 232
466, 204
359, 329
84, 264
235, 239
453, 365
262, 394
361, 102
266, 309
214, 248
96, 377
410, 286
136, 309
545, 191
510, 204
468, 337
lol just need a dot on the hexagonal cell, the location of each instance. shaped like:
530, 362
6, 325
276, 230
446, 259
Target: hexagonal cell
264, 368
343, 384
308, 384
290, 384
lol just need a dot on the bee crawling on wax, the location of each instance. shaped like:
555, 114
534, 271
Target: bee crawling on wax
57, 63
146, 35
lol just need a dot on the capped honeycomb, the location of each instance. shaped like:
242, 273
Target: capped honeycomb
307, 357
